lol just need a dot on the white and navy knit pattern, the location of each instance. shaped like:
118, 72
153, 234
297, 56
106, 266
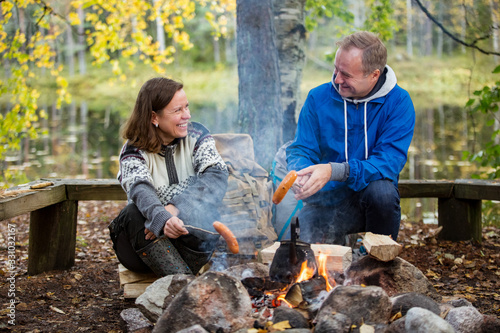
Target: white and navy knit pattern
175, 168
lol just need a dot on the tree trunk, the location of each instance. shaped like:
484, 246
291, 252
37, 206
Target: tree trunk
494, 20
259, 113
70, 50
409, 32
439, 47
81, 42
427, 33
289, 16
216, 45
160, 30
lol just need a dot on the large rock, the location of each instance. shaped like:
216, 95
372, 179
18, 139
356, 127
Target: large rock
465, 319
294, 317
491, 324
404, 302
396, 277
216, 301
135, 321
160, 293
361, 304
420, 320
338, 322
252, 269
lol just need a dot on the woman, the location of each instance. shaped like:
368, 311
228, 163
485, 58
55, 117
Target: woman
174, 179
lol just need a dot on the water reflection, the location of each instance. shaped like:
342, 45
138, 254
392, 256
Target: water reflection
80, 143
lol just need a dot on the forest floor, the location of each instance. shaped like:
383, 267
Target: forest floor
88, 297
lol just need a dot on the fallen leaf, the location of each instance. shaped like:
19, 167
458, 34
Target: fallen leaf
396, 316
53, 308
366, 329
281, 326
22, 307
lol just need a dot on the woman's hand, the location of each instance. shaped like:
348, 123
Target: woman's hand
172, 209
149, 234
174, 227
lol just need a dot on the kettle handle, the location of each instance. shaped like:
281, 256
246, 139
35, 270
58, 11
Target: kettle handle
294, 230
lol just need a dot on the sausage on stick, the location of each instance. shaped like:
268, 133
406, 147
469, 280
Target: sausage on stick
228, 236
284, 187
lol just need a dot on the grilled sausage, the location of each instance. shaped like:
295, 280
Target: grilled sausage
228, 236
284, 187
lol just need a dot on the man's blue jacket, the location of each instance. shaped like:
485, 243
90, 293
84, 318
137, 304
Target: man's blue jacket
372, 134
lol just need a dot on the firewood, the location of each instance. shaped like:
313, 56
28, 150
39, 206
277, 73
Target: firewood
257, 286
338, 257
134, 290
129, 277
134, 284
266, 255
381, 247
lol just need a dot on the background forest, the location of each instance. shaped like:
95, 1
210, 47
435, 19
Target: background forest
71, 70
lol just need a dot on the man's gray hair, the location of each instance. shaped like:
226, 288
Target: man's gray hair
374, 51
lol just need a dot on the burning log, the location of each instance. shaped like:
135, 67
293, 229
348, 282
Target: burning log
257, 286
306, 291
381, 247
338, 257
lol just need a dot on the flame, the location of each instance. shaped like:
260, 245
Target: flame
306, 272
322, 271
281, 299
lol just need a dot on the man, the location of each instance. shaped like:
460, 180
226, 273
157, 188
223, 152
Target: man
351, 143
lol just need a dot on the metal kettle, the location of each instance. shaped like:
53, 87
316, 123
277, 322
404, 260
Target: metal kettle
290, 255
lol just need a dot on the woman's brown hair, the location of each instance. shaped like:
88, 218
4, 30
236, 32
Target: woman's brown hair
154, 95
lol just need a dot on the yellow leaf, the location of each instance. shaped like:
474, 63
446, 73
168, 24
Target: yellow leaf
282, 325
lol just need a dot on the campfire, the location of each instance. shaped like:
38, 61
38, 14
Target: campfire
301, 292
372, 291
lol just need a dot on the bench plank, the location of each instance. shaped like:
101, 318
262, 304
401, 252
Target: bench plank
426, 188
95, 189
477, 189
31, 201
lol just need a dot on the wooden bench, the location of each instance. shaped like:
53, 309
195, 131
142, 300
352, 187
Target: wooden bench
53, 212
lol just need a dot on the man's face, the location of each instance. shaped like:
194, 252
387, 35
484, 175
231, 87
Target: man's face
353, 83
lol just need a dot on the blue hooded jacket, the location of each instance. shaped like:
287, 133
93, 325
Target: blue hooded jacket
372, 134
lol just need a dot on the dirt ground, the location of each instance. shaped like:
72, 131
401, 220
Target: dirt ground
88, 297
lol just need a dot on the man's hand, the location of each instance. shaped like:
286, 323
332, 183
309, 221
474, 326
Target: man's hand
311, 179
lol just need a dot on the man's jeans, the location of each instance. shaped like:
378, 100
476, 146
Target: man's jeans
376, 209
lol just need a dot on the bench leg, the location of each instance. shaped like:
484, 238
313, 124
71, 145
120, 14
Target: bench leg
52, 237
460, 219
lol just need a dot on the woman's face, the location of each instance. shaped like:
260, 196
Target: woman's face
173, 119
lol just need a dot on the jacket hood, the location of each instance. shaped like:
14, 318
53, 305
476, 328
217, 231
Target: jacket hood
387, 86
